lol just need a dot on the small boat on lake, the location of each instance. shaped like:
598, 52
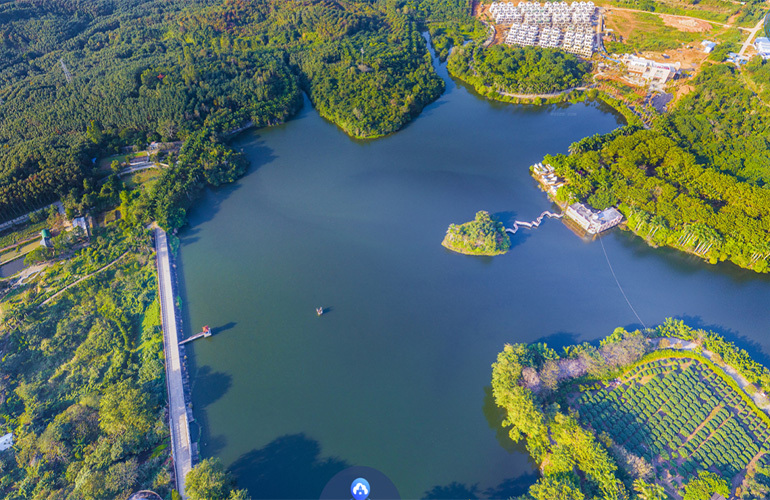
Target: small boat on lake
319, 310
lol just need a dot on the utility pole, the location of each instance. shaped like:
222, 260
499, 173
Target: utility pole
67, 73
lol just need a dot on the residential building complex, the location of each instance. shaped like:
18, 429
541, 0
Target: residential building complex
552, 24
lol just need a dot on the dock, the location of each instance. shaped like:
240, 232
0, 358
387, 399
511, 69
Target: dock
205, 333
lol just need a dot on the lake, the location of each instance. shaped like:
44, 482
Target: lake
396, 374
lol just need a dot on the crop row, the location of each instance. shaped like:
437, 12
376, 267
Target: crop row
681, 412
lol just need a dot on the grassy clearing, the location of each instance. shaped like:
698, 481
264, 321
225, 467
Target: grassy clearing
640, 32
680, 414
708, 10
143, 179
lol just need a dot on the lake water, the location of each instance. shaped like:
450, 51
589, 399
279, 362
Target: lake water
396, 374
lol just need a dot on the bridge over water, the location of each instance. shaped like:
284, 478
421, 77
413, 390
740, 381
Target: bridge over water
535, 223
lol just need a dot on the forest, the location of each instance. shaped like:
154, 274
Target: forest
518, 70
695, 181
80, 80
632, 418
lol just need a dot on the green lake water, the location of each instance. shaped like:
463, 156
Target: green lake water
396, 374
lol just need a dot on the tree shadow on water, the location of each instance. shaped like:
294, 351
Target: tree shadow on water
209, 386
509, 488
755, 349
452, 491
288, 467
495, 416
512, 487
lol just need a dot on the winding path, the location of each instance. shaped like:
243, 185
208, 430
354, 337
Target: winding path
49, 299
535, 223
759, 398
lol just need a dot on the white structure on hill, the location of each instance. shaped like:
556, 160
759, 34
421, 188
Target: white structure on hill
650, 71
6, 441
593, 221
762, 44
708, 46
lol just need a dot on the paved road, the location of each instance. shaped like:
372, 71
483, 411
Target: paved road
180, 428
759, 398
751, 36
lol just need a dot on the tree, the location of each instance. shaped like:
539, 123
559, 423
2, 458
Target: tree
647, 491
209, 481
556, 486
125, 411
704, 486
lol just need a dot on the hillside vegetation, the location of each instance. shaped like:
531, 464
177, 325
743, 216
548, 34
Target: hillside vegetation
83, 385
518, 70
79, 80
697, 180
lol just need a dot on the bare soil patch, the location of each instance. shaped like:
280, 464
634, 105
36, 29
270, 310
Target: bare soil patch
686, 24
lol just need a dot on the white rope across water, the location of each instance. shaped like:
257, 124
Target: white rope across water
618, 283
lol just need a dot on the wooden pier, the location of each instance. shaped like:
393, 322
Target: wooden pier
205, 333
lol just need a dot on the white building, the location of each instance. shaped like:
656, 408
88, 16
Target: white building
593, 221
762, 44
6, 441
708, 46
651, 71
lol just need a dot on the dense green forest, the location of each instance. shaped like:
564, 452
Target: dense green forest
82, 383
482, 236
79, 80
633, 419
697, 180
517, 70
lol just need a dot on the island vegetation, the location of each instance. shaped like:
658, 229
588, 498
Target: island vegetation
503, 69
637, 416
482, 236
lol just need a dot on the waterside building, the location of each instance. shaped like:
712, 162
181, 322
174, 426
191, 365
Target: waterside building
594, 221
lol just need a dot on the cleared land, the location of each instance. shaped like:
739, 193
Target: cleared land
681, 416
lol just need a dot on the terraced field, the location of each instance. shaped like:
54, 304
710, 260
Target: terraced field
681, 416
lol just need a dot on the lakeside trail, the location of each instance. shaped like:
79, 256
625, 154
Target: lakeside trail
759, 398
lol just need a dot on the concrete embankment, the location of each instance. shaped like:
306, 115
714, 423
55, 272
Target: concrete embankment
180, 414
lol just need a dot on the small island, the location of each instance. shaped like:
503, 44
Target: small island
482, 236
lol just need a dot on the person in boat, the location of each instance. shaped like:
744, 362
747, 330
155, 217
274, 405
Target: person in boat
319, 310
